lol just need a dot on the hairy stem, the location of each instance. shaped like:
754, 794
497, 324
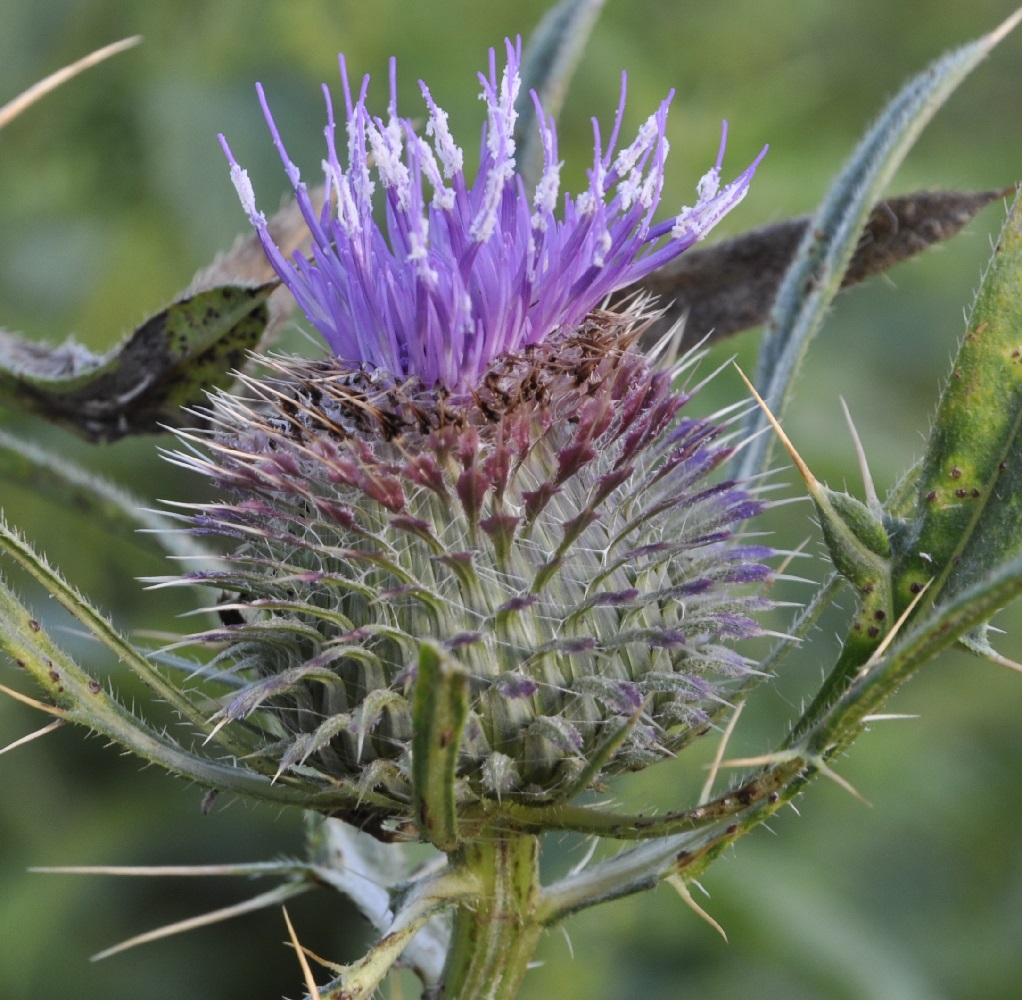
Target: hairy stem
495, 933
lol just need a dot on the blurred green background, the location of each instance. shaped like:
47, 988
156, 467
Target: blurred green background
114, 191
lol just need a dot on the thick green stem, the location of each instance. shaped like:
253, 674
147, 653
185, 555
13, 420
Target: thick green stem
495, 933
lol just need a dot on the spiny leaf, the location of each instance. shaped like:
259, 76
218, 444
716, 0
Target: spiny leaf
729, 287
815, 277
14, 546
968, 511
934, 632
966, 520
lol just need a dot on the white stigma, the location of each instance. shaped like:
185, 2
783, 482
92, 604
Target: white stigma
628, 157
243, 185
451, 156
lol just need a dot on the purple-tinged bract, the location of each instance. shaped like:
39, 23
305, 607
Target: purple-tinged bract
471, 272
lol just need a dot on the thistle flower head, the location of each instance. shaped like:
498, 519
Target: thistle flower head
473, 271
487, 465
555, 531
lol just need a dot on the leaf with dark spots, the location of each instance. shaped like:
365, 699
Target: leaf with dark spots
166, 363
141, 386
968, 511
729, 287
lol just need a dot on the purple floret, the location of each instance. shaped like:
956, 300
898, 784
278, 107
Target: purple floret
473, 272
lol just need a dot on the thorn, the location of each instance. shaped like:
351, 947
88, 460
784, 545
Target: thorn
767, 758
681, 888
310, 983
567, 940
586, 858
869, 489
1006, 26
987, 651
270, 898
994, 657
884, 717
704, 795
828, 772
152, 871
810, 480
31, 702
216, 729
56, 724
789, 559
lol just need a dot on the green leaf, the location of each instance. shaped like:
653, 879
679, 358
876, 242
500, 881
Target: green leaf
79, 697
168, 362
231, 307
99, 626
815, 277
968, 509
